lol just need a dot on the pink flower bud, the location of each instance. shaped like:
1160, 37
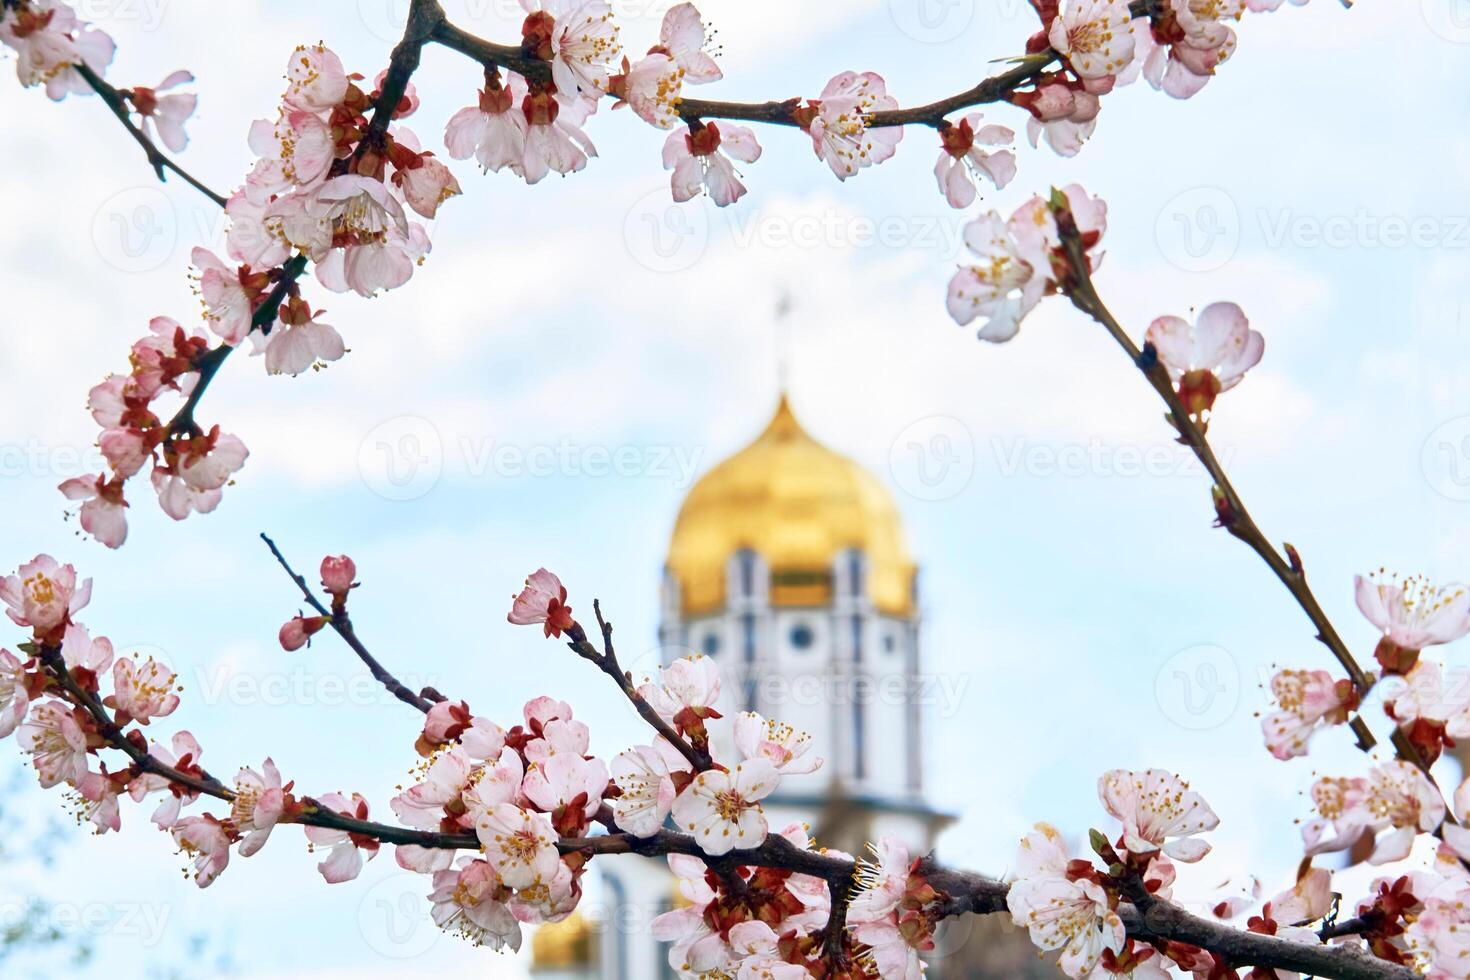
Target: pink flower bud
299, 629
338, 574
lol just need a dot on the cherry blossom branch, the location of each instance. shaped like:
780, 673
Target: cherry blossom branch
142, 761
156, 157
778, 113
969, 893
1234, 515
1168, 922
402, 63
208, 364
606, 660
341, 624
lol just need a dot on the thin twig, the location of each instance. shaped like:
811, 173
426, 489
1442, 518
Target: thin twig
160, 161
342, 626
697, 757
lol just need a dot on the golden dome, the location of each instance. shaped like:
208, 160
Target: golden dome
564, 945
798, 505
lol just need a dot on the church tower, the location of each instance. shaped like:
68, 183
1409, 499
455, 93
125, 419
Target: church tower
788, 567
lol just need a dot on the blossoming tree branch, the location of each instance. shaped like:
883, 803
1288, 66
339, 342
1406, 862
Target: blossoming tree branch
503, 821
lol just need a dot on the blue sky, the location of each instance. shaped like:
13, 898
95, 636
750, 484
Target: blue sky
1060, 583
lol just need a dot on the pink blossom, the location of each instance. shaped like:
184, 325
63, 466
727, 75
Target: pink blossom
584, 43
521, 846
423, 805
682, 34
1190, 40
688, 685
258, 804
98, 792
358, 206
652, 86
722, 810
1305, 701
49, 39
452, 722
470, 901
199, 468
756, 945
554, 138
182, 755
293, 153
248, 240
567, 781
14, 692
491, 785
55, 742
881, 883
543, 601
1002, 285
890, 949
1436, 936
370, 268
784, 747
426, 185
143, 691
1093, 36
1063, 112
548, 899
695, 945
126, 450
43, 594
296, 347
643, 775
494, 130
166, 113
962, 159
839, 123
1412, 612
344, 861
560, 735
1209, 357
701, 160
103, 513
1158, 811
1395, 796
317, 81
205, 840
1073, 916
84, 655
1429, 696
228, 305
